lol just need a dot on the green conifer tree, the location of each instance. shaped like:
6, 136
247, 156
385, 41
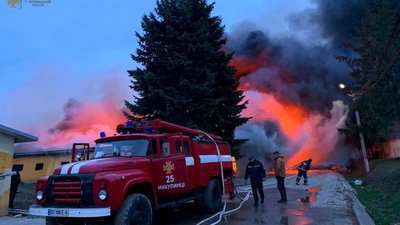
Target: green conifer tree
375, 69
185, 77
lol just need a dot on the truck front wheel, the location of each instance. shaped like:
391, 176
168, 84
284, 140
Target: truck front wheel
136, 209
212, 197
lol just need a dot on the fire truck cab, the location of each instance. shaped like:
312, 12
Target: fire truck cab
146, 166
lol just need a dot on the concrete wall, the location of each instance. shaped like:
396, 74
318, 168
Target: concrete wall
29, 174
6, 161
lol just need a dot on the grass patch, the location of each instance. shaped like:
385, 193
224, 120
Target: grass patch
383, 208
380, 191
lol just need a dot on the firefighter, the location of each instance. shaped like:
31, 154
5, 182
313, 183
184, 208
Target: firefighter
279, 167
303, 168
255, 170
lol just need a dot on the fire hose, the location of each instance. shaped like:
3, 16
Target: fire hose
222, 181
223, 211
243, 200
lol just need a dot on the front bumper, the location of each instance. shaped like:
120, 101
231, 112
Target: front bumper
88, 212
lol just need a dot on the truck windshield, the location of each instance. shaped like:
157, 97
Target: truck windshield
127, 148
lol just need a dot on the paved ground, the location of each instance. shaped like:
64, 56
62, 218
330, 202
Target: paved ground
328, 200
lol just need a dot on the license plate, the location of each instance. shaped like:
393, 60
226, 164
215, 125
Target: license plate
58, 212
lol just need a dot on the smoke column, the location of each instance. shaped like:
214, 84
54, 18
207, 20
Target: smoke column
82, 119
291, 84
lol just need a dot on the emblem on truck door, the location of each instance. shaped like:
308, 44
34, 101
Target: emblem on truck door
168, 167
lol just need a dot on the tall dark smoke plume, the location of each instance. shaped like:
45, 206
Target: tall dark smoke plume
291, 77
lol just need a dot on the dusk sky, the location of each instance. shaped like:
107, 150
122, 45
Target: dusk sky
73, 49
63, 70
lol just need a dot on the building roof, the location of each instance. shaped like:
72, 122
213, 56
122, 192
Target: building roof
18, 136
45, 152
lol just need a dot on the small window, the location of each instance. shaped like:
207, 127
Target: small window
65, 162
186, 148
39, 166
18, 167
166, 150
178, 147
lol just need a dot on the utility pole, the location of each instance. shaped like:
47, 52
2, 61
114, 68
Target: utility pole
360, 134
363, 149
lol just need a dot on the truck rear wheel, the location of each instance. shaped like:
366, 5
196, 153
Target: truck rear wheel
64, 221
212, 197
136, 209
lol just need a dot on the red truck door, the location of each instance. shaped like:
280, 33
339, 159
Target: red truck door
169, 168
190, 162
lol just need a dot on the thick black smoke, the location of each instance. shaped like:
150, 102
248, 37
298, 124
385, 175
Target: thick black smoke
266, 137
302, 73
335, 20
294, 73
70, 110
297, 71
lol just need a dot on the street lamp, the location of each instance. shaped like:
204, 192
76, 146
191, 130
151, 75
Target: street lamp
360, 134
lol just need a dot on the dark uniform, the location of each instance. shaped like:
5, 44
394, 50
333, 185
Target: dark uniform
304, 166
15, 180
255, 170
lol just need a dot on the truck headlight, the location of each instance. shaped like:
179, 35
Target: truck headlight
39, 195
102, 194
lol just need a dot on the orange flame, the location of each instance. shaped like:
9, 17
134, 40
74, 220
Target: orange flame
265, 107
310, 136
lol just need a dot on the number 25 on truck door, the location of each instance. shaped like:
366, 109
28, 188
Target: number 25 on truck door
170, 178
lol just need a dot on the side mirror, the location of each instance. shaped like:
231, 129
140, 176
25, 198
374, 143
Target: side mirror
79, 156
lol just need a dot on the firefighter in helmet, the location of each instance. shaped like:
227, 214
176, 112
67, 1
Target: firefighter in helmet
303, 168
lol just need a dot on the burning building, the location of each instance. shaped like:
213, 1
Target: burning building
293, 98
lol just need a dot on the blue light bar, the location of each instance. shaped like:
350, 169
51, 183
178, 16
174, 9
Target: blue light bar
102, 134
129, 124
149, 130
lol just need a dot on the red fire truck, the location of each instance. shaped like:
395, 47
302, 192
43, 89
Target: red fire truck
147, 165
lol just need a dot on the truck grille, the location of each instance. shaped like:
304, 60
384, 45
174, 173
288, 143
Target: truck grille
67, 192
71, 190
